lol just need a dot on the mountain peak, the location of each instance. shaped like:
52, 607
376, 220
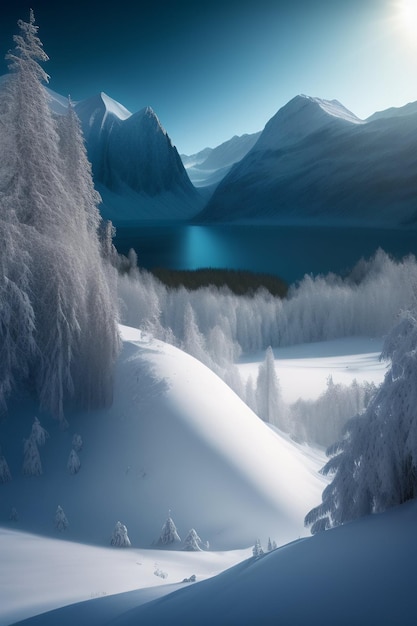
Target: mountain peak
302, 116
114, 107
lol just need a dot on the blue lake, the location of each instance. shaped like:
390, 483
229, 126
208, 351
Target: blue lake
286, 251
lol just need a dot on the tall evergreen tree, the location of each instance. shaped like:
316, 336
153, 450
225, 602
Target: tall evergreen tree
269, 401
374, 466
64, 303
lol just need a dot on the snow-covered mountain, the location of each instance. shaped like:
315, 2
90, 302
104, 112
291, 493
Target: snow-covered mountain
317, 162
136, 168
209, 166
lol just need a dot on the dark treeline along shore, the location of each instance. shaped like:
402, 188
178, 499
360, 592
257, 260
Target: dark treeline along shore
240, 282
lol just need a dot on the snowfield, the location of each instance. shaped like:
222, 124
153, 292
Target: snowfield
176, 438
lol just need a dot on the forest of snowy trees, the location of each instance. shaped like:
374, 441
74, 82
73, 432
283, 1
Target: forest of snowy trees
58, 331
218, 327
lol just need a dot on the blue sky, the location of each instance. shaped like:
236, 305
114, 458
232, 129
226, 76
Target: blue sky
214, 69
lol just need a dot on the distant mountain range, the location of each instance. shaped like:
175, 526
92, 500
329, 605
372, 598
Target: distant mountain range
316, 162
210, 166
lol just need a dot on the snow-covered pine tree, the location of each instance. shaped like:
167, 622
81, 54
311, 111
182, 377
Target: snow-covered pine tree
374, 466
271, 407
194, 342
77, 442
74, 463
120, 538
64, 317
60, 520
192, 542
32, 465
257, 549
5, 475
39, 434
169, 534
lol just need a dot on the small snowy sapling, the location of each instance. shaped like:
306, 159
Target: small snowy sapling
257, 549
192, 541
120, 538
61, 522
32, 465
39, 434
74, 462
169, 534
77, 442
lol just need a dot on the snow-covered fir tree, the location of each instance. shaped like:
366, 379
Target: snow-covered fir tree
5, 475
77, 442
60, 520
74, 463
169, 534
32, 465
39, 434
58, 318
192, 542
120, 538
269, 402
374, 466
257, 549
272, 545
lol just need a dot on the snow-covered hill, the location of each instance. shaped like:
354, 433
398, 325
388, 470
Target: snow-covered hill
176, 438
316, 162
135, 166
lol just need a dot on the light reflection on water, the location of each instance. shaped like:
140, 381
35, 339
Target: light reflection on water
287, 251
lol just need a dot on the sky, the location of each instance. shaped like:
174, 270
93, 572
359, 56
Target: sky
217, 68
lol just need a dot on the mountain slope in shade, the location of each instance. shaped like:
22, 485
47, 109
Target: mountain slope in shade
135, 166
315, 162
209, 166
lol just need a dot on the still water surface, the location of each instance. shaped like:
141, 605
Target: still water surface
286, 251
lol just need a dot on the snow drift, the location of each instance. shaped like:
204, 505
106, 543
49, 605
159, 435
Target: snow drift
176, 438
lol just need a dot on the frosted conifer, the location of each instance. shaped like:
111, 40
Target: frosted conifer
169, 534
32, 465
77, 442
192, 541
120, 538
55, 290
61, 522
74, 463
374, 466
257, 549
39, 434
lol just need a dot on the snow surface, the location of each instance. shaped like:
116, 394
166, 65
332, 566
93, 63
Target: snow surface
114, 107
175, 438
303, 369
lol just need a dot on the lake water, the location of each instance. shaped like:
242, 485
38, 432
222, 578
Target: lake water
286, 251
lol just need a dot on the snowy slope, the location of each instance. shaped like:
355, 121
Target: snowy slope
360, 573
315, 162
176, 438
